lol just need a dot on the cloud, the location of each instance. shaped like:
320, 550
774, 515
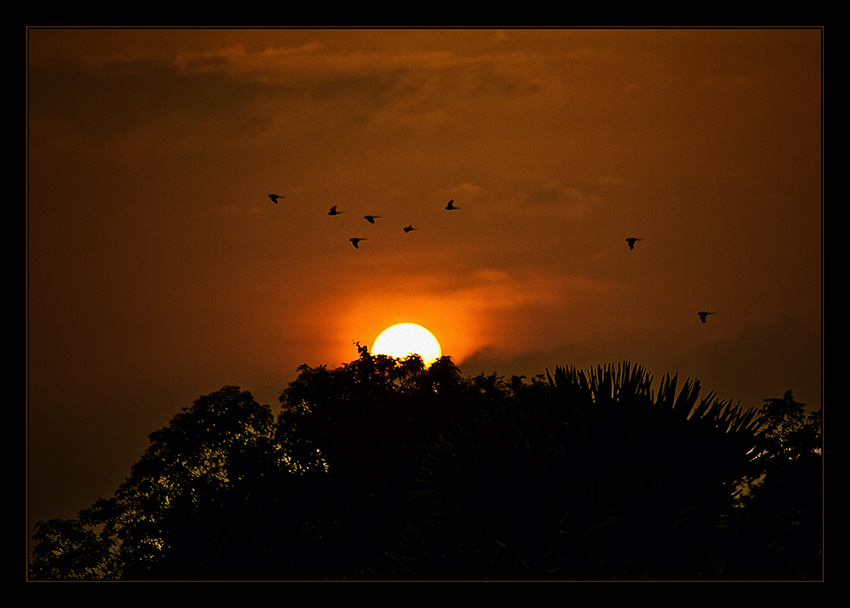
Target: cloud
553, 199
762, 361
505, 74
464, 190
418, 89
258, 96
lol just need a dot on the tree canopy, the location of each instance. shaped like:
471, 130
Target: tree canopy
384, 468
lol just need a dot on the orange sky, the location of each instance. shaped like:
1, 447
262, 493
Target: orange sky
158, 270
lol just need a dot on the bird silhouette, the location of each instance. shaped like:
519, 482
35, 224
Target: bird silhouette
409, 228
371, 218
274, 197
451, 206
333, 211
631, 241
356, 242
703, 315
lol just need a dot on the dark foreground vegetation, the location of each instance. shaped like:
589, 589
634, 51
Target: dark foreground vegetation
383, 469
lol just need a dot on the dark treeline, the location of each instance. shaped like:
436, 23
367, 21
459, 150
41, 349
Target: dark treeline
384, 469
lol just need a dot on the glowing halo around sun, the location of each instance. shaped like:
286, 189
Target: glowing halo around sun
404, 339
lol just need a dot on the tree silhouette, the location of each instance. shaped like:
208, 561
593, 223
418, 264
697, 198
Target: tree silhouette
780, 519
192, 504
69, 549
366, 425
594, 477
385, 469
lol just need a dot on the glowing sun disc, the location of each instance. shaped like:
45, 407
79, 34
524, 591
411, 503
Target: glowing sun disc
404, 339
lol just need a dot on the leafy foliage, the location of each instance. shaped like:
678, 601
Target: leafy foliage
189, 499
383, 468
592, 478
780, 518
69, 549
367, 425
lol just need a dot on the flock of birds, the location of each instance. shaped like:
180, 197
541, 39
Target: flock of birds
355, 241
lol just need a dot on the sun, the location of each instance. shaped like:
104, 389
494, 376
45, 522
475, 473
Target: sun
403, 339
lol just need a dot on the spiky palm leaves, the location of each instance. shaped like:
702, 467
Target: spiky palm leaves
592, 476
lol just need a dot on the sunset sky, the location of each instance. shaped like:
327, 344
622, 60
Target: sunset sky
158, 270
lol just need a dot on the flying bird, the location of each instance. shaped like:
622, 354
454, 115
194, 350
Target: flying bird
451, 206
409, 228
631, 241
371, 218
356, 242
703, 315
333, 211
274, 197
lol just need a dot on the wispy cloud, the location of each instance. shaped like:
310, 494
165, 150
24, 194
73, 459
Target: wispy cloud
412, 88
553, 200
